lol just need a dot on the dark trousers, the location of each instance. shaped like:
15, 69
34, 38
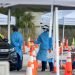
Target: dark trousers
44, 66
51, 66
73, 65
19, 62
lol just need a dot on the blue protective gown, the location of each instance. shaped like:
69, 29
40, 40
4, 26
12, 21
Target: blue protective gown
17, 42
45, 45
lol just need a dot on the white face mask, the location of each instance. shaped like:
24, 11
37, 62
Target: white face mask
45, 30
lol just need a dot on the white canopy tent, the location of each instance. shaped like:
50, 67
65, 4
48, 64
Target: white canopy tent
56, 3
4, 20
65, 17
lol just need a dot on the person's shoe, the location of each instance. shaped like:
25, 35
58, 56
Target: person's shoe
52, 71
46, 67
42, 70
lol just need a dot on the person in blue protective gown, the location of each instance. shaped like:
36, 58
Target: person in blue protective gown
45, 46
17, 42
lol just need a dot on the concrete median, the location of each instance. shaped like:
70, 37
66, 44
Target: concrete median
4, 68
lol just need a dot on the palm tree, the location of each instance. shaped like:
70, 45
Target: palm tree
25, 22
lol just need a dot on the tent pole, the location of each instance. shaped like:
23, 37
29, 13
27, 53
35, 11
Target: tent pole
9, 25
63, 30
54, 42
63, 38
51, 20
62, 42
57, 40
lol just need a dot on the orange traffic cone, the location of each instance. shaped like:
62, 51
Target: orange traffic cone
66, 44
36, 48
55, 67
61, 48
33, 53
36, 45
35, 66
24, 47
30, 66
68, 68
39, 64
35, 63
63, 66
72, 44
32, 48
32, 63
63, 44
28, 44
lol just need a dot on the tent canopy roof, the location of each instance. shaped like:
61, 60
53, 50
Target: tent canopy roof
32, 3
65, 17
40, 2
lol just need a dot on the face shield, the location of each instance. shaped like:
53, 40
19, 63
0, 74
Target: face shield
45, 28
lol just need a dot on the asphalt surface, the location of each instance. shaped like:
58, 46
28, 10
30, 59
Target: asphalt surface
24, 73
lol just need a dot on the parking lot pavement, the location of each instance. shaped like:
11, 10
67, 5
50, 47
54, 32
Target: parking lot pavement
23, 73
17, 73
39, 73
